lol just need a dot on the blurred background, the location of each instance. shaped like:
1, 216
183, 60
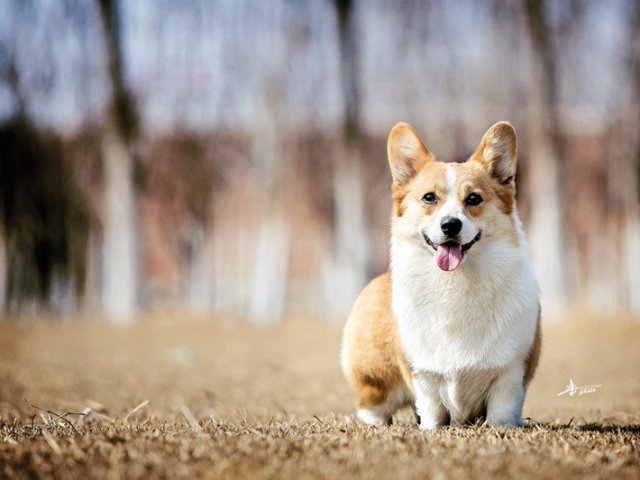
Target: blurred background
229, 157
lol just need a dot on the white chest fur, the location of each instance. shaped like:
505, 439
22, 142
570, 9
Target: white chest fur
481, 316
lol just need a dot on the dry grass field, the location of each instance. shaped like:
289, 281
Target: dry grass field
172, 397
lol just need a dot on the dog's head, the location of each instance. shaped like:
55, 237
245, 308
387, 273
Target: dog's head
452, 208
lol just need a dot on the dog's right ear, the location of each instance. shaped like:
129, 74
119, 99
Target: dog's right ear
498, 152
406, 152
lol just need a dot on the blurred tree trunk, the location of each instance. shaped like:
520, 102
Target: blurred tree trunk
632, 220
4, 270
347, 273
270, 246
549, 241
199, 279
120, 286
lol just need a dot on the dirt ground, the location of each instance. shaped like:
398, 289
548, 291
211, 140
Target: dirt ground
182, 397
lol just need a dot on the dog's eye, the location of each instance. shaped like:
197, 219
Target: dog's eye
430, 198
473, 199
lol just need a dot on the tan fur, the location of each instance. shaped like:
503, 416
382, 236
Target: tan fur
376, 363
407, 163
531, 363
503, 173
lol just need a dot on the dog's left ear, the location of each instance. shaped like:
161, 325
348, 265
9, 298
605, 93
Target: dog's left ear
406, 153
498, 152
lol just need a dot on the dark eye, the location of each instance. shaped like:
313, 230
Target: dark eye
473, 199
430, 198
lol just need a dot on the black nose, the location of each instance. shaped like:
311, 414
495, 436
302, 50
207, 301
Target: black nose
451, 226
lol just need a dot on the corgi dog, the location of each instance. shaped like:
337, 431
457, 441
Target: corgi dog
453, 329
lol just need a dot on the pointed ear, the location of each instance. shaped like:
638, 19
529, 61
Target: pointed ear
498, 152
406, 152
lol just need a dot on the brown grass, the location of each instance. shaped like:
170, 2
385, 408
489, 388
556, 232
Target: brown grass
185, 398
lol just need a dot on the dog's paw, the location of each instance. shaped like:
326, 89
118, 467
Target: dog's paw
373, 417
427, 425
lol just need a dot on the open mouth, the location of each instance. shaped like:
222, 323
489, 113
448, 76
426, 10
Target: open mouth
449, 254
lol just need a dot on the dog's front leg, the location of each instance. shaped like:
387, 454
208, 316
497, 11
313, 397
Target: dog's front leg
429, 406
505, 399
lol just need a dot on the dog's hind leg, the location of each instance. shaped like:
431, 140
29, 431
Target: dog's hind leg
377, 402
373, 404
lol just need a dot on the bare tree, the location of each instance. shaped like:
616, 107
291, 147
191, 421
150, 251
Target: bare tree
548, 241
631, 174
348, 271
271, 250
44, 218
120, 269
3, 274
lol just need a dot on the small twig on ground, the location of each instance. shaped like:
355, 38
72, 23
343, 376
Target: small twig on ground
142, 405
186, 413
51, 441
61, 417
534, 423
318, 419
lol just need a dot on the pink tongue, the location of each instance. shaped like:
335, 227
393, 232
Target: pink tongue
448, 257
